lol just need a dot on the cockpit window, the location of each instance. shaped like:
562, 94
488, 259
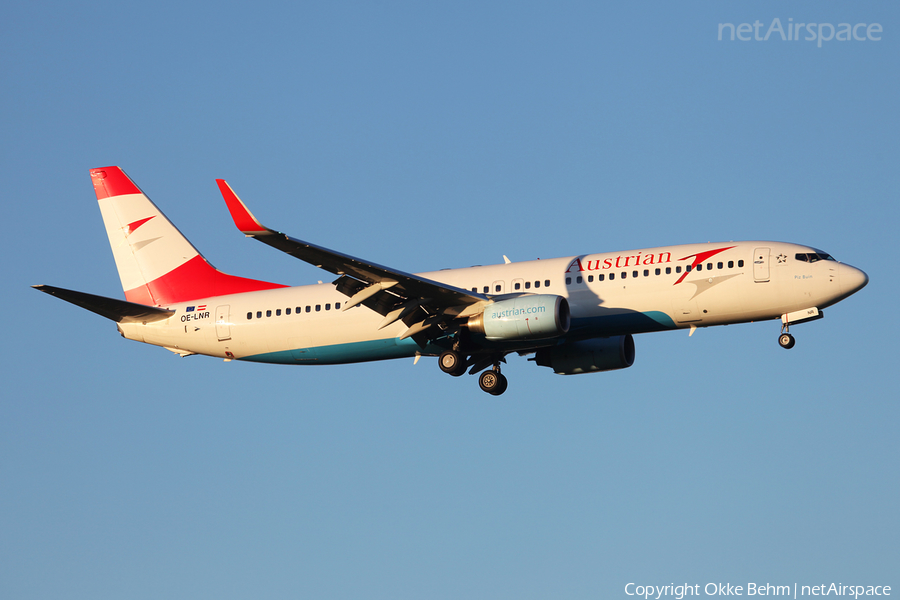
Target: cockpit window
812, 256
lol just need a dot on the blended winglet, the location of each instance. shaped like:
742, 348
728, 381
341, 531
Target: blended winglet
243, 218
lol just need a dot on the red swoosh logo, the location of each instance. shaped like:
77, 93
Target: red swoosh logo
699, 258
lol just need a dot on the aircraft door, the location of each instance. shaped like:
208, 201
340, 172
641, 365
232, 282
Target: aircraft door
761, 265
223, 326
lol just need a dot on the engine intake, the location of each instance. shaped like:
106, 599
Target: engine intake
537, 317
588, 356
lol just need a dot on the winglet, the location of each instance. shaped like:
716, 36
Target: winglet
243, 218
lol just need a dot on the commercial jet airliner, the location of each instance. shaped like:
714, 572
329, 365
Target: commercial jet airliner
576, 314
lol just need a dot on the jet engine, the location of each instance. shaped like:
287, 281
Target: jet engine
535, 317
588, 356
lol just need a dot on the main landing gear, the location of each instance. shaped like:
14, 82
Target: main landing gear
452, 363
491, 381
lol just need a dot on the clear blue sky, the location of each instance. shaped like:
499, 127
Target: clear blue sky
423, 136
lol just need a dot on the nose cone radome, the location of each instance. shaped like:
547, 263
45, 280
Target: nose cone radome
852, 279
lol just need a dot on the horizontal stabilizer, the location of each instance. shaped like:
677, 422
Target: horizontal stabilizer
119, 311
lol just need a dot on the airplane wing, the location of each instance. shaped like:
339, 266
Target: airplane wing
420, 302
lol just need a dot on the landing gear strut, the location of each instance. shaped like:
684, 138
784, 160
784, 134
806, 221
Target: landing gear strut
493, 382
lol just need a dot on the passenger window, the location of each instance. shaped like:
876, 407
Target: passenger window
497, 288
612, 276
298, 310
308, 308
328, 306
268, 313
699, 268
537, 284
646, 272
658, 271
579, 280
518, 286
287, 311
635, 274
590, 279
709, 266
601, 277
740, 263
527, 285
475, 289
318, 307
668, 270
249, 315
337, 306
678, 269
687, 269
719, 266
259, 314
546, 283
486, 288
624, 274
730, 264
278, 312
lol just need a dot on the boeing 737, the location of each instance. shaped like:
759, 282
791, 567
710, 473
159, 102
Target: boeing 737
576, 314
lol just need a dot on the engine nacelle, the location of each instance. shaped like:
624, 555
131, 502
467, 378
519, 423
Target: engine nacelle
589, 356
537, 317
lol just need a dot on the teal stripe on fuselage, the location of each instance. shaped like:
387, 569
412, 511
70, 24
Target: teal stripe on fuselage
347, 353
620, 323
581, 328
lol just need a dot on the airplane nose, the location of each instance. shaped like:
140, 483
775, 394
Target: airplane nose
852, 279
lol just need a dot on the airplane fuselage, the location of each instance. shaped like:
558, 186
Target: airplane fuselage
609, 294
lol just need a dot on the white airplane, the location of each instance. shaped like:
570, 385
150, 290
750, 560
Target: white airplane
575, 314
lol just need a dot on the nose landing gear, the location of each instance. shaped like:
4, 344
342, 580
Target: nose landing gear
786, 340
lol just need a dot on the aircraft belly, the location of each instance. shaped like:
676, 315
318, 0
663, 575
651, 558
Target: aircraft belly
619, 322
351, 352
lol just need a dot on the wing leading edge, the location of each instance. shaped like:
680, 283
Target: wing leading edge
425, 306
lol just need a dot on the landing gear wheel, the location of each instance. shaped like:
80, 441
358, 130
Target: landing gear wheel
786, 341
492, 382
452, 363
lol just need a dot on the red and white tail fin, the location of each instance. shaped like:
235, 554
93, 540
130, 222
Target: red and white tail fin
157, 265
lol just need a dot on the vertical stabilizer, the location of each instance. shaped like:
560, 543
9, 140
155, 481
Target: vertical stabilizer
157, 265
